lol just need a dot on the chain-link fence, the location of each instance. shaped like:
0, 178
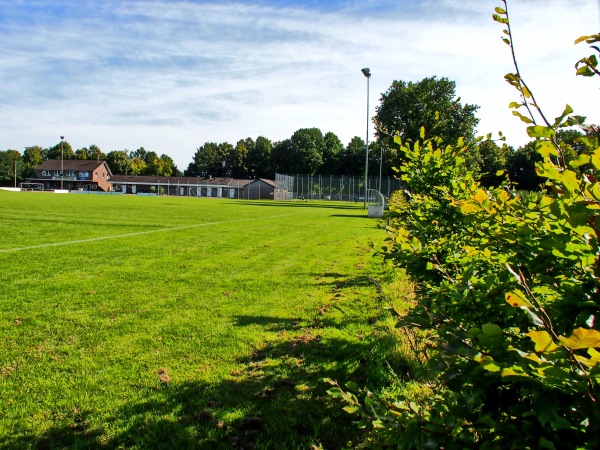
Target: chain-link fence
330, 187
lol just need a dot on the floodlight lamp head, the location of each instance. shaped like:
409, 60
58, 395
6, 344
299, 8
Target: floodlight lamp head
366, 72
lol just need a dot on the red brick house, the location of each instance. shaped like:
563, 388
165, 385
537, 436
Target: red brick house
74, 174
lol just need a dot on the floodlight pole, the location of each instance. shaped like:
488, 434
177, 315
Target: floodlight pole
367, 73
62, 164
380, 165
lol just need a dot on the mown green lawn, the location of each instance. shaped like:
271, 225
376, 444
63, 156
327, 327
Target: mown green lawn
164, 322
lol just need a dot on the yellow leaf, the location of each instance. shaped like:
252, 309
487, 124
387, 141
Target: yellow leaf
594, 357
543, 341
468, 208
481, 196
517, 299
582, 38
508, 372
582, 338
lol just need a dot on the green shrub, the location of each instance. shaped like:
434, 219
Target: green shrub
508, 285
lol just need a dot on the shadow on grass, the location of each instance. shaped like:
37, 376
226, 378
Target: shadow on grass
305, 204
353, 216
339, 282
276, 399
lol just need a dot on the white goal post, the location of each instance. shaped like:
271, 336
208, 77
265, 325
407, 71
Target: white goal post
27, 186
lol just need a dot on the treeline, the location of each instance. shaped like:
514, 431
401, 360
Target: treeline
401, 111
138, 162
308, 151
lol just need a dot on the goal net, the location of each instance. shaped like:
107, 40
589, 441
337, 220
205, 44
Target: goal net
31, 186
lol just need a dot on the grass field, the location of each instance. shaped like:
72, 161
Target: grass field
163, 322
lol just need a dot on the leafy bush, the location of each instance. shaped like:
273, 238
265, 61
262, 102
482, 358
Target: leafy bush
508, 285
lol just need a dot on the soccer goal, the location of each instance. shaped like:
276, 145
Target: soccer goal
376, 203
31, 186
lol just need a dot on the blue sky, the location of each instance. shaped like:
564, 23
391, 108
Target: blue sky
172, 75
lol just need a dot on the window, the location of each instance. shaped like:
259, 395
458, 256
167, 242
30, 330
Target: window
71, 173
84, 174
95, 175
45, 173
57, 173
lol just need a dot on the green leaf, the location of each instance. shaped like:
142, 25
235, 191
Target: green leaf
539, 131
515, 105
511, 372
522, 117
545, 444
352, 386
500, 19
575, 120
490, 365
351, 409
500, 10
582, 338
585, 71
568, 110
491, 329
546, 149
580, 161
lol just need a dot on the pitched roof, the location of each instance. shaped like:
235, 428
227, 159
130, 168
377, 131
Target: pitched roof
269, 182
144, 179
84, 165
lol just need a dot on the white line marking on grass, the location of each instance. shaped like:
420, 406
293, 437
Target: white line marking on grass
140, 233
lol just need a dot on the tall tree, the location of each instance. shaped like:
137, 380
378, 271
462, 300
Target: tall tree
62, 148
306, 151
332, 150
208, 160
352, 158
34, 156
94, 152
170, 163
138, 166
161, 167
9, 161
191, 171
280, 157
431, 103
259, 158
81, 153
119, 162
521, 167
237, 160
140, 153
491, 159
570, 143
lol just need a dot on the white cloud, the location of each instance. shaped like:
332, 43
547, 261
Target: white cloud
170, 76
